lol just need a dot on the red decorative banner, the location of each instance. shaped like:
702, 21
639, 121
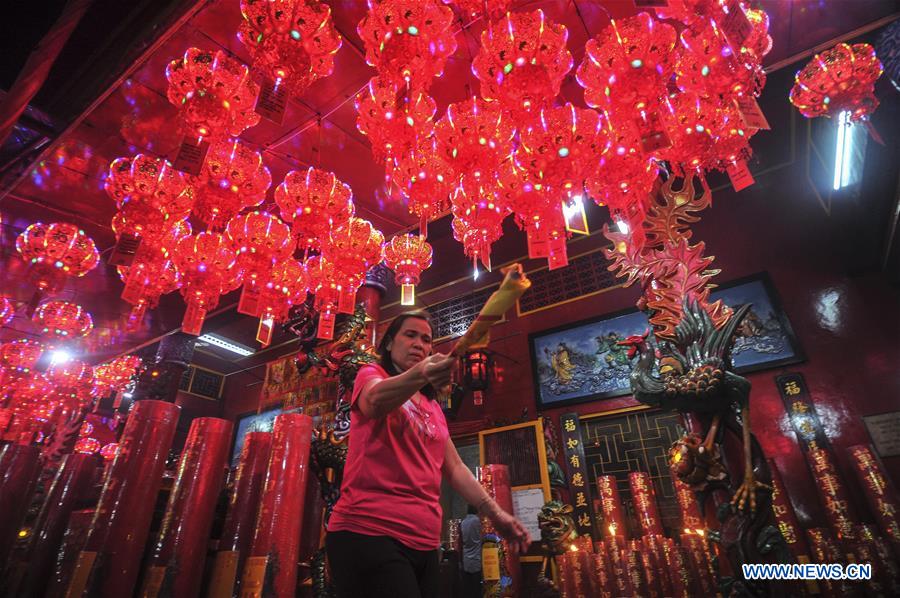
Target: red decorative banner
804, 418
644, 498
880, 493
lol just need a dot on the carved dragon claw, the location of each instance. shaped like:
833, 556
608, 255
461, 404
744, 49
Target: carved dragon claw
746, 493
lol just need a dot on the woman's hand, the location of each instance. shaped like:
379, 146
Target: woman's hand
437, 369
510, 528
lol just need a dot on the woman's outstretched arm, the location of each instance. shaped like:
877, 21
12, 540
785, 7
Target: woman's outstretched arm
380, 397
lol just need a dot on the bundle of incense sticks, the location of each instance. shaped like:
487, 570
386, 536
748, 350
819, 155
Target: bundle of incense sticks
514, 284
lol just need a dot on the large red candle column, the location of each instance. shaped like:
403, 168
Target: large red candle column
698, 563
611, 504
645, 502
276, 545
495, 480
675, 565
880, 493
71, 484
824, 551
872, 548
177, 560
838, 510
67, 556
108, 565
691, 518
603, 571
19, 469
243, 506
620, 578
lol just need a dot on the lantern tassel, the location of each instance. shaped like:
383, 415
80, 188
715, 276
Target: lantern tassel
408, 294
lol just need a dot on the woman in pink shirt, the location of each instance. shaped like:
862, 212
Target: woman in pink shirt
385, 529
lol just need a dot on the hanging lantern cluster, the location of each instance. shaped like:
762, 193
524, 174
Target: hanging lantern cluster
109, 451
152, 197
73, 381
425, 179
478, 214
234, 177
354, 247
87, 445
214, 93
208, 268
408, 256
326, 283
292, 42
54, 251
20, 356
114, 375
408, 41
62, 320
151, 275
285, 285
313, 202
837, 80
522, 61
475, 136
260, 240
492, 10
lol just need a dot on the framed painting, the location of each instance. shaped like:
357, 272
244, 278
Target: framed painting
252, 422
582, 361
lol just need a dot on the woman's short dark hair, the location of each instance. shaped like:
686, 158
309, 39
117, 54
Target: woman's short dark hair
384, 354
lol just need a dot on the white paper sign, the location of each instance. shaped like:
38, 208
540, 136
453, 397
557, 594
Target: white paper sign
526, 507
885, 432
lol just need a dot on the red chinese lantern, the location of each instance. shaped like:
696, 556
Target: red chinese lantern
691, 125
624, 174
260, 240
837, 80
478, 214
214, 94
562, 146
537, 211
759, 42
627, 66
54, 251
692, 13
425, 179
72, 382
87, 445
20, 356
115, 375
7, 310
522, 61
233, 178
208, 268
732, 138
87, 428
708, 65
285, 285
151, 275
393, 120
408, 256
313, 201
408, 41
292, 42
327, 283
62, 320
492, 9
354, 247
474, 136
151, 195
30, 397
109, 451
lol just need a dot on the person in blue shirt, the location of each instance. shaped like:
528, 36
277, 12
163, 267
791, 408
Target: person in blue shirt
471, 554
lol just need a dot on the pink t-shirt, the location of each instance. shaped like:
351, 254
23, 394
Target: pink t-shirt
392, 477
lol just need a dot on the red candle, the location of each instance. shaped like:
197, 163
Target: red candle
634, 568
272, 567
674, 565
698, 563
603, 571
66, 558
19, 468
654, 571
825, 550
838, 510
611, 504
108, 565
691, 519
880, 493
179, 554
871, 548
644, 498
243, 507
495, 480
566, 576
71, 484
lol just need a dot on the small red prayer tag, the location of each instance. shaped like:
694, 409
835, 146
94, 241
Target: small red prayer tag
249, 301
272, 101
193, 319
191, 156
751, 113
740, 175
124, 251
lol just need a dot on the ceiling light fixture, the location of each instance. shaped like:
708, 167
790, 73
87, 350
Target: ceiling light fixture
226, 344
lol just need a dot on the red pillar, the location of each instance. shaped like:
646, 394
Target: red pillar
176, 566
271, 569
72, 484
108, 565
243, 506
19, 468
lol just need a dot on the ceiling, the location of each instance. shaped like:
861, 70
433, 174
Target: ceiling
105, 98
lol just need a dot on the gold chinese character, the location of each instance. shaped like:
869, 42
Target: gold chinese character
580, 500
572, 443
799, 407
584, 520
575, 461
791, 388
780, 510
577, 479
569, 425
788, 532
